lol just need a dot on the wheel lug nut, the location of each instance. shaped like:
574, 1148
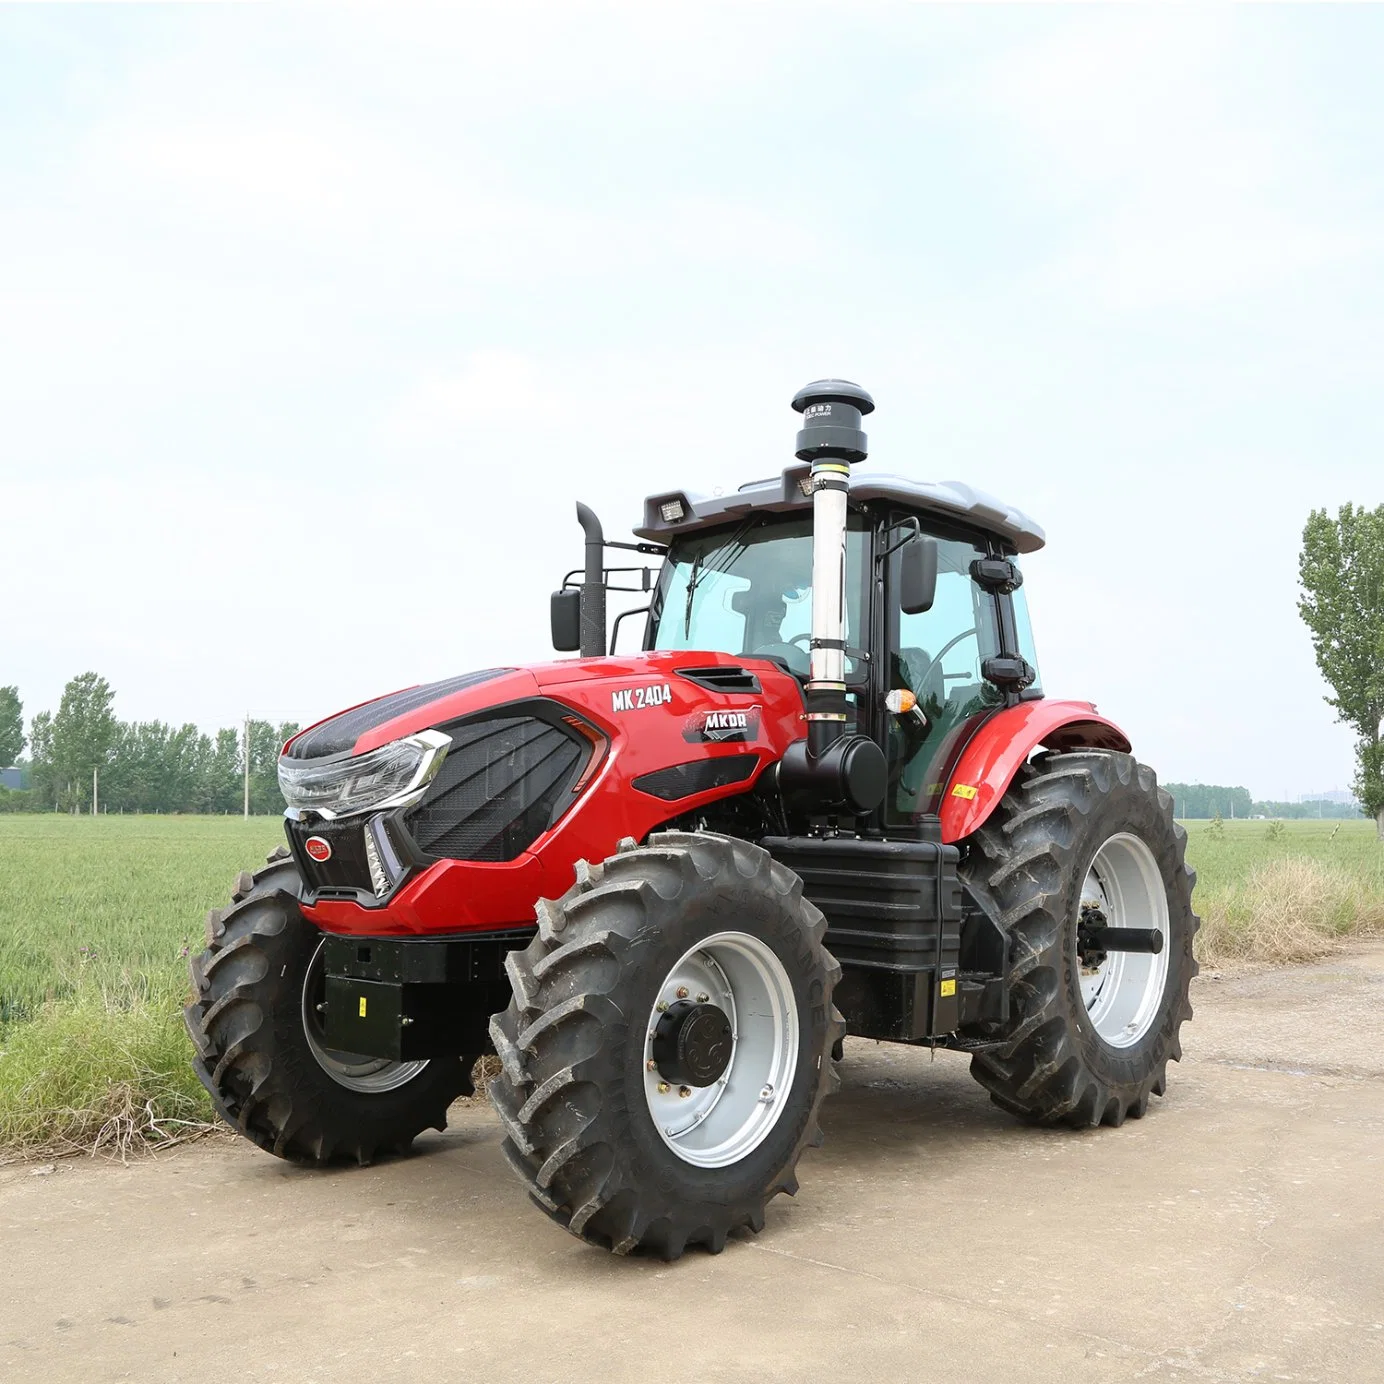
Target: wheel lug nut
703, 997
651, 1065
663, 1088
682, 992
684, 1091
661, 1006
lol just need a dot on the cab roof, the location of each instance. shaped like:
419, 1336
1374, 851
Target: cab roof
947, 499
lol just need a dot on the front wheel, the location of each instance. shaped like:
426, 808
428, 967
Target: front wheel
1083, 842
666, 1052
256, 1022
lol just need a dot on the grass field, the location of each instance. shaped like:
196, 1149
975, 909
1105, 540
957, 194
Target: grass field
1285, 891
97, 917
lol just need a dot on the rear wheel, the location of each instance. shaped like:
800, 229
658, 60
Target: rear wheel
1083, 841
666, 1052
261, 1050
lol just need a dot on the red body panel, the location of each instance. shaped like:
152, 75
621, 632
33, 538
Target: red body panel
992, 758
458, 895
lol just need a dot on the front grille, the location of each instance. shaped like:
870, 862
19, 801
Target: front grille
505, 780
683, 780
341, 732
347, 870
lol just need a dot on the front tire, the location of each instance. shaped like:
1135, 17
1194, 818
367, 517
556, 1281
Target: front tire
261, 1052
666, 1052
1086, 1044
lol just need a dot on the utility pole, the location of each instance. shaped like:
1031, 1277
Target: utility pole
247, 766
95, 772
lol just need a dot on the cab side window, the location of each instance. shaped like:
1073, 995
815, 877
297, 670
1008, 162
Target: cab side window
938, 658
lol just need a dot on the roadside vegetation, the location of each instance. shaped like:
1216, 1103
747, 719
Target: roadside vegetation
1280, 892
97, 916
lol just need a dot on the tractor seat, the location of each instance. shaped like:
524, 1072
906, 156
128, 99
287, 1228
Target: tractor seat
912, 667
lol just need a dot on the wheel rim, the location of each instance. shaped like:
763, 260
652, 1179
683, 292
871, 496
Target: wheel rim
718, 1124
353, 1070
1124, 994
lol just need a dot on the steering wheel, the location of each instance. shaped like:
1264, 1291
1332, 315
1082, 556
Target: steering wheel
944, 651
786, 652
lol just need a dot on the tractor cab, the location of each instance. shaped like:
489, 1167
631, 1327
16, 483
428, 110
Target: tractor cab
918, 673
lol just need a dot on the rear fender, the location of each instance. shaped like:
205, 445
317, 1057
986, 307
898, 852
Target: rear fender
993, 755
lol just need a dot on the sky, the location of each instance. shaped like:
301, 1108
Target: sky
314, 323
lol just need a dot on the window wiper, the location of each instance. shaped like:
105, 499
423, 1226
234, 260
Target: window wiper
691, 591
722, 559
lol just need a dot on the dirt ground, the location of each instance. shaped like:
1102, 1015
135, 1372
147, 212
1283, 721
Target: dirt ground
1235, 1233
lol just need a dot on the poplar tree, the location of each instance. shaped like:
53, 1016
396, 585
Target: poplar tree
1342, 573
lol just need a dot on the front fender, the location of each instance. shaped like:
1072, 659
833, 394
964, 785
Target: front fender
992, 757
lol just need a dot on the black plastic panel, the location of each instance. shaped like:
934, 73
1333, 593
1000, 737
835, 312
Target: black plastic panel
889, 904
347, 870
723, 679
683, 780
407, 998
505, 780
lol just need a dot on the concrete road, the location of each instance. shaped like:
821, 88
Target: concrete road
1236, 1233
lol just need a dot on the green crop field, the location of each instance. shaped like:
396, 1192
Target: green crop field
1224, 859
97, 917
112, 903
1285, 891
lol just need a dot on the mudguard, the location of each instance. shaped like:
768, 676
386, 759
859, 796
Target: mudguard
993, 755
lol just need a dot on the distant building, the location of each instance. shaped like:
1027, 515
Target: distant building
1331, 795
14, 778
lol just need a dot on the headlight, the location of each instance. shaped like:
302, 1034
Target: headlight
387, 777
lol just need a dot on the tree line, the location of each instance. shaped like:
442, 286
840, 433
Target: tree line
1209, 800
133, 766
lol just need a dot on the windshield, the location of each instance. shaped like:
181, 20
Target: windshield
748, 591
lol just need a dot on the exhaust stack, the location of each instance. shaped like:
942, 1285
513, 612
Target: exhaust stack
831, 439
593, 591
831, 769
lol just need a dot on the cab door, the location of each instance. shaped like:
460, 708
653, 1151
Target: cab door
938, 657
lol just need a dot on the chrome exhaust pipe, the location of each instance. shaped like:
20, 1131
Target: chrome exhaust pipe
831, 439
831, 774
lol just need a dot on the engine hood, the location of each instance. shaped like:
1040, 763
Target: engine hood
405, 712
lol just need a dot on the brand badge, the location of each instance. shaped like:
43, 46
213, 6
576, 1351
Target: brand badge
318, 849
722, 727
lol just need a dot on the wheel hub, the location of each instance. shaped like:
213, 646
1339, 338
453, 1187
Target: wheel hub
1093, 921
1123, 897
692, 1043
721, 1049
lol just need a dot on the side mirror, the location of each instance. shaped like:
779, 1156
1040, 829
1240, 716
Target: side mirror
917, 574
565, 613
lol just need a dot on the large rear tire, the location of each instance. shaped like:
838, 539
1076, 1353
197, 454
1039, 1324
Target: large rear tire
261, 1052
1086, 1044
666, 1052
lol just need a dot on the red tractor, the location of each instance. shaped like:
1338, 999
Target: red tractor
829, 797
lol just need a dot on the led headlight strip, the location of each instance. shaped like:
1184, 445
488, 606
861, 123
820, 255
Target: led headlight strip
342, 785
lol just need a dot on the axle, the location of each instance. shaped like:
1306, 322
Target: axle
1095, 941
